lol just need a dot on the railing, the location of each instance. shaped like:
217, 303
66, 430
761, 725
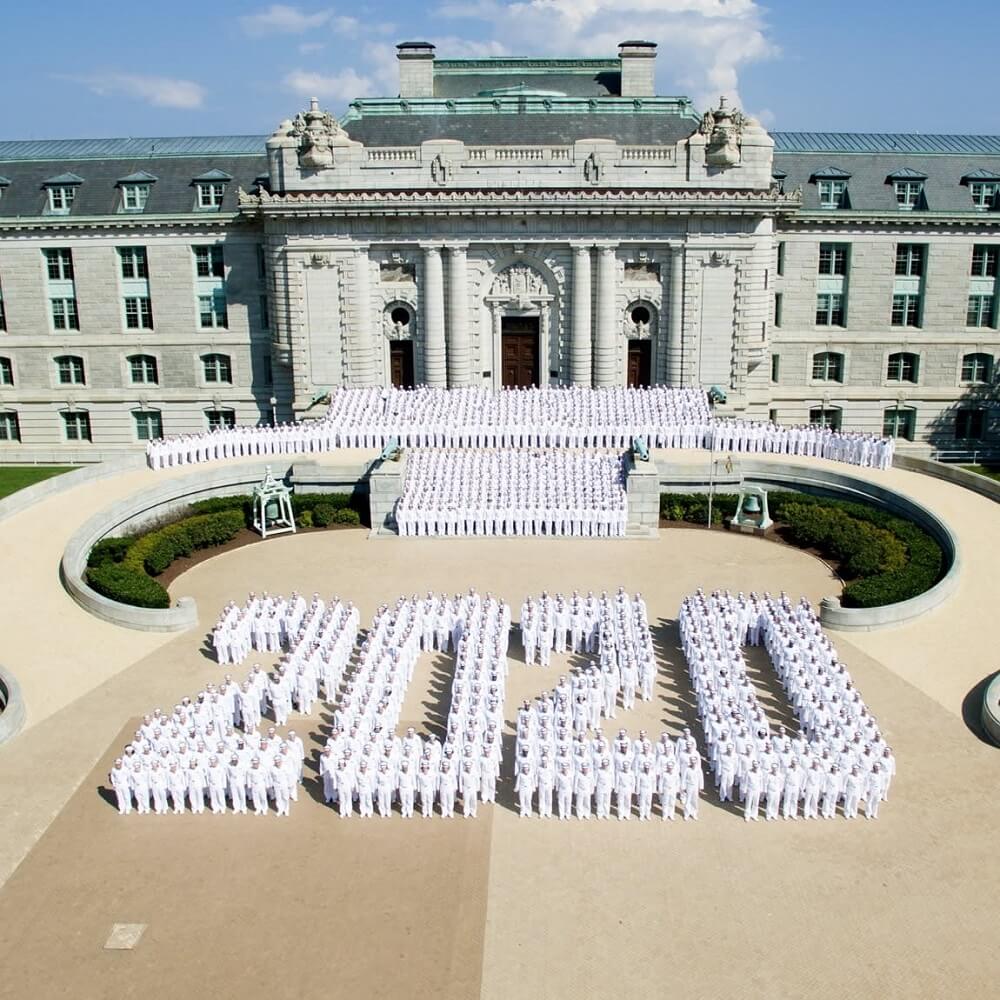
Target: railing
967, 456
648, 154
520, 154
391, 154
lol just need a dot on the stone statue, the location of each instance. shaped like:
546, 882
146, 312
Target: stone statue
442, 169
723, 128
315, 131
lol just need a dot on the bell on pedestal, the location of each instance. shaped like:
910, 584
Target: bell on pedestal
751, 505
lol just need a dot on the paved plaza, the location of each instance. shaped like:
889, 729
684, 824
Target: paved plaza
499, 906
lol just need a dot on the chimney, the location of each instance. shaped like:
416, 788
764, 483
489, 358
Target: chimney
416, 69
638, 61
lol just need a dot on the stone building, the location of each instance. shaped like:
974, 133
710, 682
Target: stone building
501, 222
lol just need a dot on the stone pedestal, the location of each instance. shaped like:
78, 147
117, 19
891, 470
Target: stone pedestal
642, 485
385, 487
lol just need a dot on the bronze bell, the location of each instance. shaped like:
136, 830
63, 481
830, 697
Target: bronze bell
751, 505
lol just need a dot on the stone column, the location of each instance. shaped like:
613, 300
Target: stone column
605, 356
675, 321
361, 339
459, 341
433, 301
580, 348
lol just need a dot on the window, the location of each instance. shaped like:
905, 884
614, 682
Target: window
781, 257
70, 370
833, 258
10, 427
6, 372
209, 262
217, 368
220, 418
261, 263
825, 417
977, 368
77, 426
3, 314
899, 423
143, 369
903, 367
61, 199
775, 366
212, 311
778, 299
267, 369
148, 425
832, 194
828, 366
984, 262
910, 259
265, 315
138, 313
64, 314
60, 264
210, 194
829, 310
970, 425
908, 194
906, 310
134, 197
980, 312
133, 261
984, 194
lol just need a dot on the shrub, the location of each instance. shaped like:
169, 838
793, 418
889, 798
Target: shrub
309, 501
216, 505
125, 585
305, 519
323, 514
693, 507
346, 516
109, 550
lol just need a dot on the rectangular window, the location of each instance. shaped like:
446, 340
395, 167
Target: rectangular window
70, 371
59, 264
828, 367
832, 194
6, 371
977, 368
266, 368
265, 316
134, 197
209, 262
64, 315
261, 264
903, 368
910, 258
212, 311
829, 310
772, 415
980, 312
143, 369
833, 258
218, 368
138, 313
10, 427
970, 425
218, 419
61, 199
781, 257
775, 366
906, 310
908, 194
211, 195
984, 194
77, 426
899, 424
825, 417
777, 308
3, 314
984, 262
133, 261
148, 426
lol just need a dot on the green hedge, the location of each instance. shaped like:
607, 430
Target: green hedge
302, 504
886, 558
126, 586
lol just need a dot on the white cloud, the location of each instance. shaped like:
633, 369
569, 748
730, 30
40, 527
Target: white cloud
306, 47
338, 87
345, 25
160, 91
282, 19
703, 44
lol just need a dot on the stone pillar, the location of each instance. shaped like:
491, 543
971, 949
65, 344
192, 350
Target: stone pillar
605, 355
385, 487
459, 341
361, 356
675, 322
433, 301
580, 349
642, 489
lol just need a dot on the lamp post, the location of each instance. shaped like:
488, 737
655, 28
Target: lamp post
274, 411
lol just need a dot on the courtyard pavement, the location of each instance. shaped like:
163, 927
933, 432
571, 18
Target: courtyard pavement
498, 906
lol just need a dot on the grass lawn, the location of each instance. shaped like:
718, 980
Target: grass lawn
16, 477
984, 470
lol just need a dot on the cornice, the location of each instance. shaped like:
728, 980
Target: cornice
122, 222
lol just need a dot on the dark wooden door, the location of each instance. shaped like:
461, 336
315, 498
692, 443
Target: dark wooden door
640, 356
401, 363
519, 362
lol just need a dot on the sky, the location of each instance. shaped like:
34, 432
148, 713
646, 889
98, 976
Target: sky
102, 69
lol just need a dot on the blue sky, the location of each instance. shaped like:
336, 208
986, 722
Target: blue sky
104, 69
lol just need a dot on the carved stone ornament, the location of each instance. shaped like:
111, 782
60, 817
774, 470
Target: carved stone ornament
315, 131
593, 167
442, 169
319, 259
519, 281
723, 128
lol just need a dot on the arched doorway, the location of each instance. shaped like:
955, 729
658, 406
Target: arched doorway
640, 363
401, 363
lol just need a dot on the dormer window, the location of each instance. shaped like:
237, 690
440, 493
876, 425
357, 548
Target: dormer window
908, 188
211, 189
134, 197
4, 183
831, 186
984, 186
60, 193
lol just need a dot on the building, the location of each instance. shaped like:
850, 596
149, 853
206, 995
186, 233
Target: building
500, 222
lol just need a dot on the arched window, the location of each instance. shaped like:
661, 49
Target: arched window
903, 367
6, 372
899, 423
218, 368
977, 368
69, 370
143, 369
828, 366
